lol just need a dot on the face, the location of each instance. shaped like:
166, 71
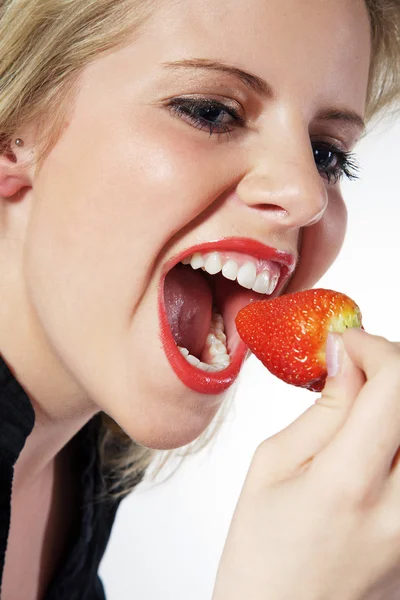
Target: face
222, 131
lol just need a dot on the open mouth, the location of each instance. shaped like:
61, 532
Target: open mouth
200, 295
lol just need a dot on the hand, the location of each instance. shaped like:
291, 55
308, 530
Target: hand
319, 515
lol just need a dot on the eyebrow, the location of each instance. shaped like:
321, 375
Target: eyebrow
250, 80
260, 86
347, 116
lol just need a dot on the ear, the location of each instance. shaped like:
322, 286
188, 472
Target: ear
15, 163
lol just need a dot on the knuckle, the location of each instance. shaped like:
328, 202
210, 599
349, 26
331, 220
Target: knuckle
383, 345
267, 462
257, 475
265, 449
263, 454
395, 347
393, 353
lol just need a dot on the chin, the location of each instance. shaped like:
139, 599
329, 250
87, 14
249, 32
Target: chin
169, 422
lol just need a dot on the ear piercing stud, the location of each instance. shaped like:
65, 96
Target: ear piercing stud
19, 142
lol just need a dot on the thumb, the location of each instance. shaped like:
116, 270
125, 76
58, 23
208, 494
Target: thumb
345, 379
290, 450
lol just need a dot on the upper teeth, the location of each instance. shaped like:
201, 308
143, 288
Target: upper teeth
252, 274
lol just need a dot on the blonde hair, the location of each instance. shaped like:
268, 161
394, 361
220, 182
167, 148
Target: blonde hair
44, 45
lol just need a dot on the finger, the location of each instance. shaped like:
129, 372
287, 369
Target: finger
369, 439
294, 447
369, 352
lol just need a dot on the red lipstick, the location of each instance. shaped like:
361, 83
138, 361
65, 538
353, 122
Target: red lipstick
217, 382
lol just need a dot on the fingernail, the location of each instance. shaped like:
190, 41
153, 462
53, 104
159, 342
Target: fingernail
333, 352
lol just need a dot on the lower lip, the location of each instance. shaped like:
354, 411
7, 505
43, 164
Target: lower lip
195, 379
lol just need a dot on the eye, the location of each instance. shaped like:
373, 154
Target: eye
206, 114
334, 163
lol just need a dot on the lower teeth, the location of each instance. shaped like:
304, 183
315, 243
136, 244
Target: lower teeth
215, 354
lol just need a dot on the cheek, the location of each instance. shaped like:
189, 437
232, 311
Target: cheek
320, 245
106, 207
100, 209
133, 187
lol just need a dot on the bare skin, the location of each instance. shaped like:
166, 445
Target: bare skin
79, 284
318, 515
42, 515
125, 156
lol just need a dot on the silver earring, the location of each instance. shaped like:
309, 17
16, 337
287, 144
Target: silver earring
19, 142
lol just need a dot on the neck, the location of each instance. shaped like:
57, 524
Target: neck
43, 446
61, 410
61, 406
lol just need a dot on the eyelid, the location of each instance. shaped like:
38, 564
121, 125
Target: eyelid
332, 141
194, 106
228, 102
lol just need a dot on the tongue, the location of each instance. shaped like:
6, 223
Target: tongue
188, 302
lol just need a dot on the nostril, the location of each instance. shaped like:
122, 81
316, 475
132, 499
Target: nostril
275, 209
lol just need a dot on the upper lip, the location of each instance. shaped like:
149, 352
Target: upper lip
247, 246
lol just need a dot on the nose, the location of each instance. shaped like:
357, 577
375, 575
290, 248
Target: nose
282, 182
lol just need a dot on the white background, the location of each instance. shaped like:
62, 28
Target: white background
168, 537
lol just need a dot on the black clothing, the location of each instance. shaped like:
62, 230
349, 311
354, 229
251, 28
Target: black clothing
76, 578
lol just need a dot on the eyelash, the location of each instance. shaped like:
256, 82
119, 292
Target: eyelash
192, 110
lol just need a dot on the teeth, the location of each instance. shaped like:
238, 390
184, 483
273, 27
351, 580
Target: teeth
260, 276
218, 321
221, 336
192, 360
203, 367
274, 283
215, 336
230, 270
197, 261
219, 363
213, 264
221, 358
262, 283
247, 275
217, 349
215, 354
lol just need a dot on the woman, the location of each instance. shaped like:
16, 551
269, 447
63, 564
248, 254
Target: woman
138, 135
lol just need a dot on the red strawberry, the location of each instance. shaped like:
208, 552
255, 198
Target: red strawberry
289, 333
